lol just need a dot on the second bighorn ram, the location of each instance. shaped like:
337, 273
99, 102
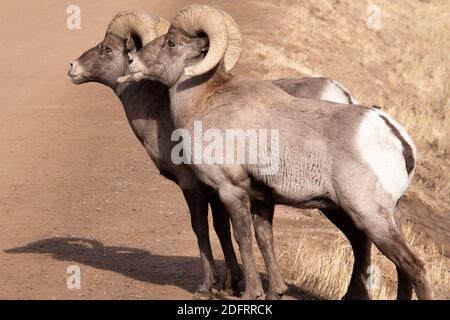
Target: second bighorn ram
352, 162
146, 106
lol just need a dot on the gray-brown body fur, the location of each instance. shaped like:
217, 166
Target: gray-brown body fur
321, 166
146, 105
310, 156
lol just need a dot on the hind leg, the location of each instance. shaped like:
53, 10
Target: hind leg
361, 245
404, 287
379, 224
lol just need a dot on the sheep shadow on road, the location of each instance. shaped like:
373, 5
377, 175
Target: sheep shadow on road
138, 264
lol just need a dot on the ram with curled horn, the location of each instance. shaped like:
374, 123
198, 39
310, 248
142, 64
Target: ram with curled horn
146, 106
351, 162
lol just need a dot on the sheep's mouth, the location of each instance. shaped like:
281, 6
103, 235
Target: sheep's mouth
76, 78
135, 76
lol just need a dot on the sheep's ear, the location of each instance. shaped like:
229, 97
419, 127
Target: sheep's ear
201, 44
130, 46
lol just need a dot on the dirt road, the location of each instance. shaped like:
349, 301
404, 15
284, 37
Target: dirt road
76, 186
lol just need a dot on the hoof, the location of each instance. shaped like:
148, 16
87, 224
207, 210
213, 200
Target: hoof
258, 295
203, 296
274, 296
230, 288
278, 293
228, 292
356, 296
230, 285
204, 291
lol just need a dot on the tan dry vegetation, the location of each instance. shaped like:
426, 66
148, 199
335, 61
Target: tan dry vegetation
325, 272
62, 178
404, 68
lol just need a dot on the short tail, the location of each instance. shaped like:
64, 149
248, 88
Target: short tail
351, 99
409, 148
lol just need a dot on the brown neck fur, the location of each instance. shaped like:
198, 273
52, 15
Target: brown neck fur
190, 94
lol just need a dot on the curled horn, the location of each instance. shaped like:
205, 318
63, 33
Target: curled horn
145, 26
196, 18
235, 43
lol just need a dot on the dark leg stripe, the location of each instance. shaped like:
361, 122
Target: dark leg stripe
408, 153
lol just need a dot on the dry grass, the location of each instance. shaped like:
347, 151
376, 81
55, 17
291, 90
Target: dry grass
424, 66
405, 68
326, 272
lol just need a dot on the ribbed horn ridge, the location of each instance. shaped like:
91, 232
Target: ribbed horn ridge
145, 26
235, 43
196, 18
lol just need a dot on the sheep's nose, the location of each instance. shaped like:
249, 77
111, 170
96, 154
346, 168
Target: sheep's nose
74, 69
70, 69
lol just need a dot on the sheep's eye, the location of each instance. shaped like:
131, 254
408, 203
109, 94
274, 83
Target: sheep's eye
108, 50
170, 43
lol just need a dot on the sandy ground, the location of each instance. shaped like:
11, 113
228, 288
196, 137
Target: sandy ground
76, 186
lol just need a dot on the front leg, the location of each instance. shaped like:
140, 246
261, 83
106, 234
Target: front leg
236, 201
198, 208
262, 214
221, 223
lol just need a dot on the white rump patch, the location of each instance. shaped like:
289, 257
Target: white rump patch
402, 131
335, 92
383, 152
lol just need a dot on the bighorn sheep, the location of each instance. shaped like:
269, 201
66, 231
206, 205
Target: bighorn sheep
352, 162
147, 108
